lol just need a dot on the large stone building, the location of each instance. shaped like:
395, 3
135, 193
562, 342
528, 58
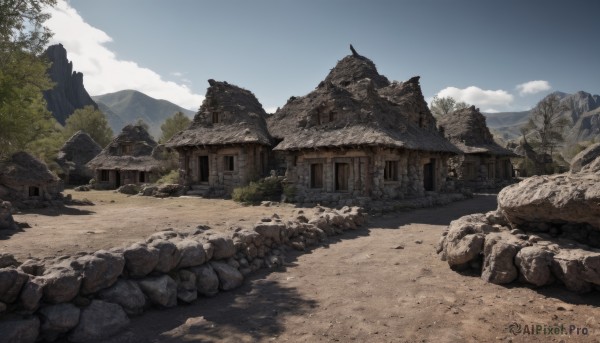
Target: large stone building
227, 144
73, 157
483, 164
360, 135
131, 158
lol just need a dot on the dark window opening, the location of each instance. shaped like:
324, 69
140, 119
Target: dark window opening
391, 171
203, 168
215, 117
332, 116
126, 149
104, 175
316, 175
342, 173
229, 165
142, 177
34, 191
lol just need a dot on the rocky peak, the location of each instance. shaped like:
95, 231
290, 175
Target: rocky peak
68, 93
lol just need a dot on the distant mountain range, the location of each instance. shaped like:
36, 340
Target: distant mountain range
583, 114
127, 106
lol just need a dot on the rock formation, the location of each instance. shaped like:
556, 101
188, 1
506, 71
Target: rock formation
68, 93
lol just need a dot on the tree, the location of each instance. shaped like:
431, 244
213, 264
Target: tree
445, 105
92, 121
175, 123
23, 114
546, 126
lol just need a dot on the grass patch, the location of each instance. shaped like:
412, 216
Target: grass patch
171, 177
267, 189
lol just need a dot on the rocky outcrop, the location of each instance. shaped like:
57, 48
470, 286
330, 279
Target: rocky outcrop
88, 297
68, 93
6, 219
585, 158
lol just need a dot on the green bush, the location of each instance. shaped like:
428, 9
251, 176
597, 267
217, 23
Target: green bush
269, 188
171, 177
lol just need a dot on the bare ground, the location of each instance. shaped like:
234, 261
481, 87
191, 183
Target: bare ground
360, 288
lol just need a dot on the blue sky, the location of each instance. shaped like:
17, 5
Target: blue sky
476, 51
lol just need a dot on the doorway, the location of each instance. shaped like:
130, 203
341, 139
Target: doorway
117, 179
429, 175
342, 173
203, 169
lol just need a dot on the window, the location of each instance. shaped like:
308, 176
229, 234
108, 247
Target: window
34, 191
390, 172
332, 116
126, 149
316, 175
229, 165
104, 175
342, 175
215, 117
142, 177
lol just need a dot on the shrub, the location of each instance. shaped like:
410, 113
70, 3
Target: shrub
169, 178
269, 188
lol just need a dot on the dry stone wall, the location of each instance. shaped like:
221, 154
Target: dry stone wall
88, 297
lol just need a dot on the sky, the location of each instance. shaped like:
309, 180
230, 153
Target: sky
498, 55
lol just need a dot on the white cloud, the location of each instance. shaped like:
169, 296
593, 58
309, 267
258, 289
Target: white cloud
271, 109
491, 100
103, 71
533, 87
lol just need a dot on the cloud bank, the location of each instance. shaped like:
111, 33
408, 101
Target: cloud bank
487, 100
103, 71
533, 87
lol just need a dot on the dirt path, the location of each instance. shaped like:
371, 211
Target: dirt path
360, 288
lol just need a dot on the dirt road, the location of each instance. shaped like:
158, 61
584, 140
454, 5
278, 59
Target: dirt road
383, 283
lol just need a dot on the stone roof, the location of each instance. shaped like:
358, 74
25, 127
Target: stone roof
24, 169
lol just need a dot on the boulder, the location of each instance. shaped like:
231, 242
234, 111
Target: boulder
207, 281
100, 320
168, 255
562, 198
585, 157
130, 189
223, 246
58, 319
192, 253
272, 230
11, 283
100, 270
140, 259
126, 293
33, 267
464, 241
31, 294
60, 284
6, 219
8, 260
229, 277
534, 264
186, 286
161, 290
20, 330
567, 267
498, 261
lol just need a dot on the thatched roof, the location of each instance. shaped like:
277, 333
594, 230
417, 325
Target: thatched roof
140, 157
467, 129
79, 149
356, 106
241, 119
22, 168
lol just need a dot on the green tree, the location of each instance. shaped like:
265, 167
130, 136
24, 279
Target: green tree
175, 123
23, 114
92, 121
546, 126
444, 105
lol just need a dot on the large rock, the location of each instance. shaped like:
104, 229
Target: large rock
8, 260
585, 158
58, 319
11, 283
126, 293
168, 255
6, 219
100, 270
272, 230
498, 261
160, 290
229, 277
186, 286
567, 267
534, 264
20, 331
60, 284
570, 198
192, 253
223, 246
140, 259
31, 294
98, 321
464, 240
207, 281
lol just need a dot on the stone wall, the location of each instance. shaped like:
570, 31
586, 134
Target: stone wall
91, 296
480, 171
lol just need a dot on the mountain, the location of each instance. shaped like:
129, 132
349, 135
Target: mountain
506, 125
127, 106
68, 93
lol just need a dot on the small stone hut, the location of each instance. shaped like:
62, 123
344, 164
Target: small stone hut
360, 135
131, 158
227, 145
73, 157
24, 177
484, 163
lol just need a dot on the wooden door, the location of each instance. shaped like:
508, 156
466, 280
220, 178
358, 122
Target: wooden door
342, 176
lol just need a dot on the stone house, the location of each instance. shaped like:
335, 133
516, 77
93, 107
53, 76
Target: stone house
360, 135
483, 163
227, 145
133, 157
73, 157
24, 179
